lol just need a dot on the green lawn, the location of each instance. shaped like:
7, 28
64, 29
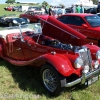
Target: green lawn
2, 11
23, 83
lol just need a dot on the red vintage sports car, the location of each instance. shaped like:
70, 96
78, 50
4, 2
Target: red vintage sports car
62, 65
32, 15
87, 24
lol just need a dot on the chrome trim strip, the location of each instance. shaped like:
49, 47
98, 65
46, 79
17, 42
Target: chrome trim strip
81, 79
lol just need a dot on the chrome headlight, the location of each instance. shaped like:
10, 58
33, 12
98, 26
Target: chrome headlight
96, 64
28, 20
78, 63
14, 21
98, 54
86, 69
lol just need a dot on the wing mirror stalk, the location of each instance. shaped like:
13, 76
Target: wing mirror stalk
21, 33
84, 25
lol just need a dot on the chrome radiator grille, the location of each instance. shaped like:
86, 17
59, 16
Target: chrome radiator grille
85, 56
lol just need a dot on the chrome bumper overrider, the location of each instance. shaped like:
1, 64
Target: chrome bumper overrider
82, 79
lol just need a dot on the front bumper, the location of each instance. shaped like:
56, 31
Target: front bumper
83, 78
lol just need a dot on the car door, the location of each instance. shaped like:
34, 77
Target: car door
31, 16
14, 49
26, 15
77, 22
18, 49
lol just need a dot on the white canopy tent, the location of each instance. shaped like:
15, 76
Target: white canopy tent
69, 3
86, 3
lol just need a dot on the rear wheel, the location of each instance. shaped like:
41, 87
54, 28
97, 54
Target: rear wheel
9, 24
52, 80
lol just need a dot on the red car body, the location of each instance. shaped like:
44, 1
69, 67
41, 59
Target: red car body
87, 24
32, 15
10, 8
62, 65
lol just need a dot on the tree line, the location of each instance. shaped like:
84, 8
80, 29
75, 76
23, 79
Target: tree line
44, 2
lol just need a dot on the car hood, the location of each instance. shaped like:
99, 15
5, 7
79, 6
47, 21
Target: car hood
96, 28
54, 22
20, 20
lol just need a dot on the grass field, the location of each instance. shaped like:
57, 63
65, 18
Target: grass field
23, 83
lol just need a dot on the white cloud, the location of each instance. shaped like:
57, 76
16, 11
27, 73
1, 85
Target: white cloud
67, 3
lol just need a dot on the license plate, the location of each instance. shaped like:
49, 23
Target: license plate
92, 79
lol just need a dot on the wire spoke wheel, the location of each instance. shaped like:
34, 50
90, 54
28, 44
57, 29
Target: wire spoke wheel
49, 80
52, 79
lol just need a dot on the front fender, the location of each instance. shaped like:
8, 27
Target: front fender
61, 63
93, 50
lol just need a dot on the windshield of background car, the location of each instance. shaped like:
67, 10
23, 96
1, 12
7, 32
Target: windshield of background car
94, 20
20, 20
35, 27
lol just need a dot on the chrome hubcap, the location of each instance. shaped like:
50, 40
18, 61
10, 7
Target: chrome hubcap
49, 80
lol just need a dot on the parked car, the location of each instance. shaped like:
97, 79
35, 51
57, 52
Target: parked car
32, 15
32, 8
10, 8
5, 8
91, 10
87, 24
98, 14
11, 20
61, 65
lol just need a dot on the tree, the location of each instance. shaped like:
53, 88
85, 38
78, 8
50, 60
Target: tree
95, 1
10, 1
61, 5
44, 3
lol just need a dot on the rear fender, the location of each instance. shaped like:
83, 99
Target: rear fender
0, 50
61, 63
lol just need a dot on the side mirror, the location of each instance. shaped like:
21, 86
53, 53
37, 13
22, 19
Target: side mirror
84, 25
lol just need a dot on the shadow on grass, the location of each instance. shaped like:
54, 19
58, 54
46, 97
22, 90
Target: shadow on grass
28, 79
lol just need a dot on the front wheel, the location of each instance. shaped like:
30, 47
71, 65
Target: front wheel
52, 80
38, 21
99, 43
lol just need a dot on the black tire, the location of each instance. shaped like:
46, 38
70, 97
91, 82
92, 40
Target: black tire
99, 43
10, 24
52, 80
38, 21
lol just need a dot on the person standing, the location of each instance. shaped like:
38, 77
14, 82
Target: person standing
59, 11
50, 11
43, 9
72, 9
98, 7
54, 11
81, 9
46, 10
77, 8
63, 10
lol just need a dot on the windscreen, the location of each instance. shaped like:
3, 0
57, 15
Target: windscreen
93, 20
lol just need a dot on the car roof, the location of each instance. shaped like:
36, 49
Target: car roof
79, 14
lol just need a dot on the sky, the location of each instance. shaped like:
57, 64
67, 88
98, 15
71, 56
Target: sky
67, 3
54, 2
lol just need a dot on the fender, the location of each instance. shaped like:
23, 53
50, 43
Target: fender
93, 49
61, 63
0, 50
